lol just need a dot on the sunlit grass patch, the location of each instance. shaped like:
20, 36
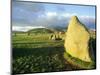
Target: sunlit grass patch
79, 63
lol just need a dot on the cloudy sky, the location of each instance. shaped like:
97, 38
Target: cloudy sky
28, 15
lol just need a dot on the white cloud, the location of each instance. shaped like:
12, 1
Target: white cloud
85, 16
50, 14
68, 14
25, 28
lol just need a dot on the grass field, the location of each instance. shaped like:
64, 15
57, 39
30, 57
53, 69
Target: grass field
37, 53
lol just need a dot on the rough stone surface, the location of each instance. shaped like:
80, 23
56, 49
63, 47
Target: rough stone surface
77, 40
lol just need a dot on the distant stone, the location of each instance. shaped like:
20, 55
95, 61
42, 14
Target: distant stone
77, 40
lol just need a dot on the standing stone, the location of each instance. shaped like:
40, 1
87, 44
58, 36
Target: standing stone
77, 40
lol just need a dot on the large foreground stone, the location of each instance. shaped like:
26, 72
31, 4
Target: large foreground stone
77, 40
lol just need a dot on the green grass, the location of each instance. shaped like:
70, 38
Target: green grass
39, 60
37, 53
34, 41
79, 63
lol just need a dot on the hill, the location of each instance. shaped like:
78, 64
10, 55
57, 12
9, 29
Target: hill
40, 30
